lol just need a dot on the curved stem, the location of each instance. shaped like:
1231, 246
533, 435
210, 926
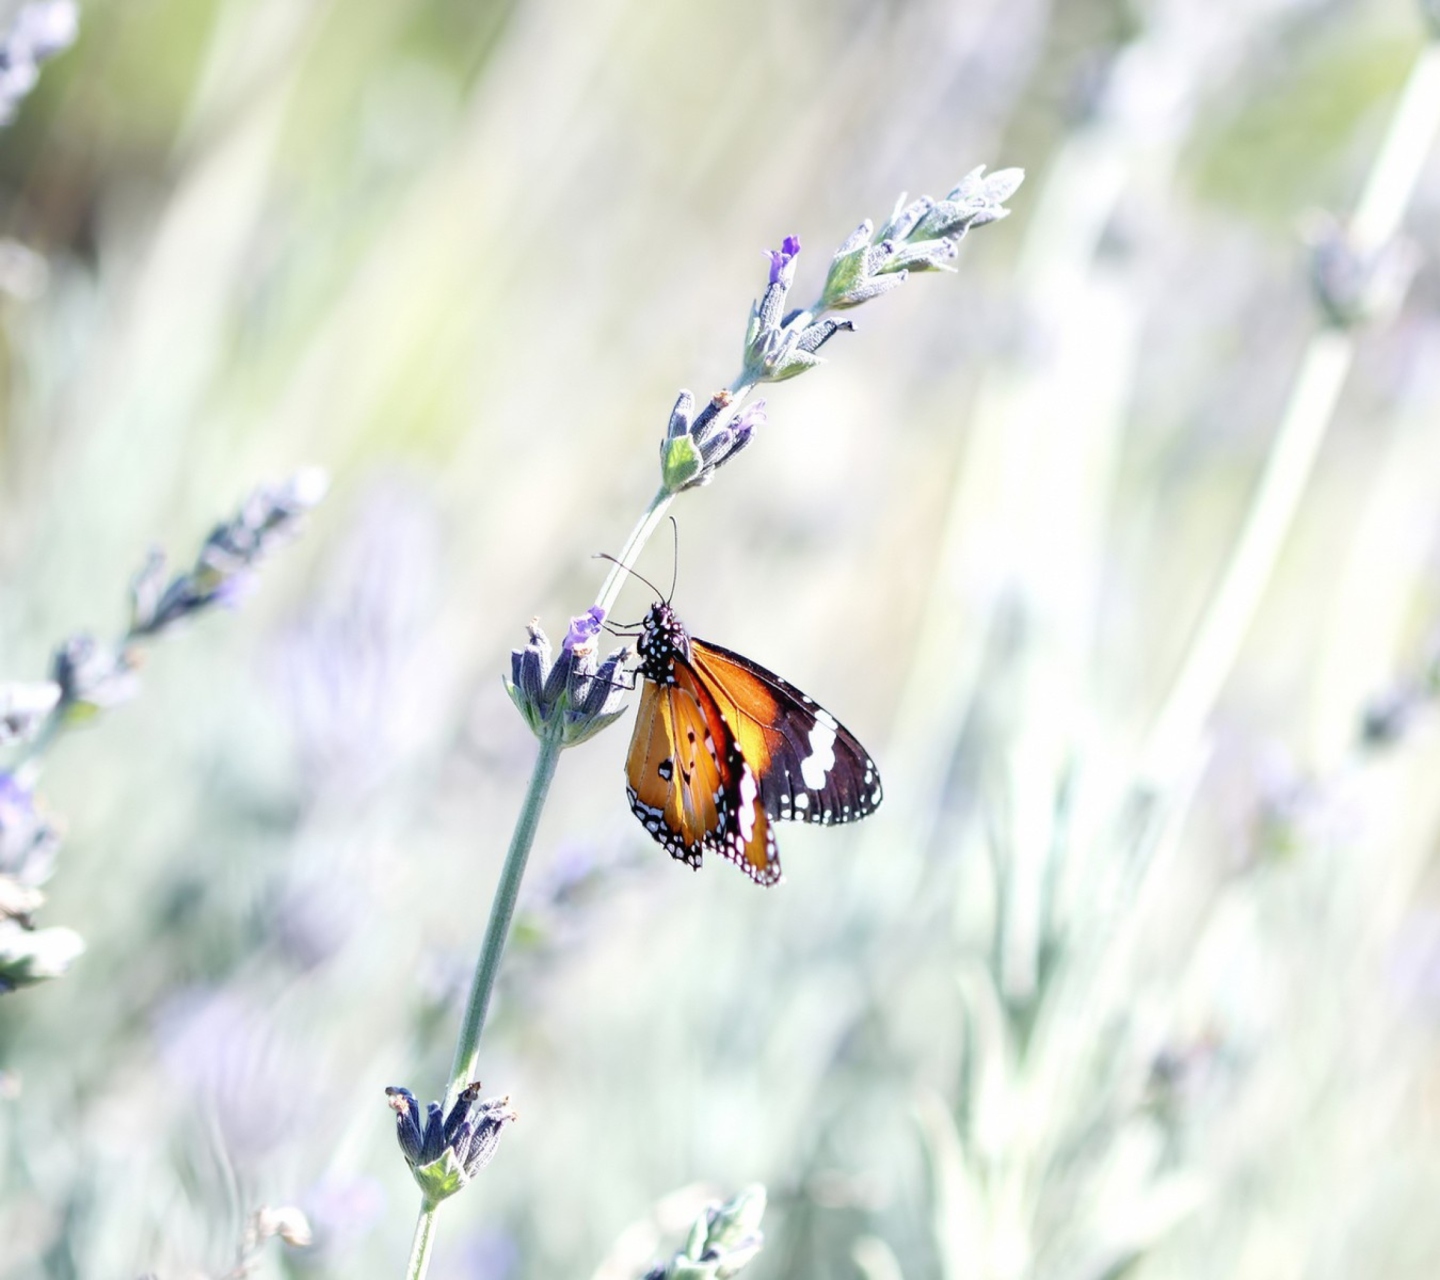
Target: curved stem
502, 909
419, 1262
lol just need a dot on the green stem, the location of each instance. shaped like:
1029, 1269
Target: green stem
419, 1262
497, 933
502, 909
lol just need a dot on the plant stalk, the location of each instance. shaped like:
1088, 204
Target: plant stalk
634, 544
419, 1262
502, 910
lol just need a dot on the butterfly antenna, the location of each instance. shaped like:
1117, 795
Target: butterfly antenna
675, 557
634, 573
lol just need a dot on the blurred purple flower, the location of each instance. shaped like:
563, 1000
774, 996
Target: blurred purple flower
234, 591
748, 421
315, 915
230, 1056
269, 517
27, 842
360, 684
584, 628
781, 258
489, 1254
343, 1211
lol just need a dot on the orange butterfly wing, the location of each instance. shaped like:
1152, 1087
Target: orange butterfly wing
809, 766
675, 783
744, 834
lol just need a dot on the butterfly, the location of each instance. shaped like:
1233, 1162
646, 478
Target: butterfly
722, 749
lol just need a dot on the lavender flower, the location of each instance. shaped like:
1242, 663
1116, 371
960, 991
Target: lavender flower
782, 261
571, 697
39, 31
447, 1150
584, 629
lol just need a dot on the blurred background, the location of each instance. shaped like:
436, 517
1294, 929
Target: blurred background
1057, 1010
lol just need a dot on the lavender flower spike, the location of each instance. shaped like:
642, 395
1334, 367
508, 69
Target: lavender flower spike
224, 569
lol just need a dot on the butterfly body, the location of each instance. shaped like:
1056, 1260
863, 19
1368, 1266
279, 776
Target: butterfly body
722, 748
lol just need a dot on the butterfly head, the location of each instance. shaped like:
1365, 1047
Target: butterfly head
663, 638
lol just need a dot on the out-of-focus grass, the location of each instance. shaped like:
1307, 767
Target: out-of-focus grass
463, 256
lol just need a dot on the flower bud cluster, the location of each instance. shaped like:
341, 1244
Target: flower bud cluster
781, 344
723, 1241
574, 697
921, 235
445, 1152
696, 446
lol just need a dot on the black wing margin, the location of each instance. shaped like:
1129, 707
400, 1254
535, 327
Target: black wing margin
810, 767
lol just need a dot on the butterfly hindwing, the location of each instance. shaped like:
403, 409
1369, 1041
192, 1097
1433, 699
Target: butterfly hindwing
744, 833
809, 766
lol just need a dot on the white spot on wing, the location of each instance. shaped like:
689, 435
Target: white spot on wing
746, 813
817, 765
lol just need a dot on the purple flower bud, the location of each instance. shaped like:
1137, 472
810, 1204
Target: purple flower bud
584, 628
748, 421
407, 1124
781, 258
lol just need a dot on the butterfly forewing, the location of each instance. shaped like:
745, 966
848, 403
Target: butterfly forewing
810, 767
